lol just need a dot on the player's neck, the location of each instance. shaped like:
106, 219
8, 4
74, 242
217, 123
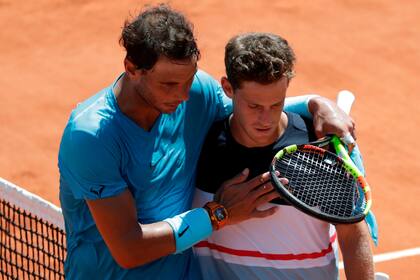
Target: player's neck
133, 106
244, 138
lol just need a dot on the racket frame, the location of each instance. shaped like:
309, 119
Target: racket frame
348, 165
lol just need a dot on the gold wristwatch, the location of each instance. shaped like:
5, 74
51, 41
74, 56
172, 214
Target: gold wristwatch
218, 214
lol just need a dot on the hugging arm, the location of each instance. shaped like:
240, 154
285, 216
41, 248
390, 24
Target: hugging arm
132, 244
327, 117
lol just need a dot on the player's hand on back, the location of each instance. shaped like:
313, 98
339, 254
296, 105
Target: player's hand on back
329, 118
241, 198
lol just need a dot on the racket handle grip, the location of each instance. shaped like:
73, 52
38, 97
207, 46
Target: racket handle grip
345, 99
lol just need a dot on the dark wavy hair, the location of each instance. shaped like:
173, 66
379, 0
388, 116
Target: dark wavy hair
260, 57
157, 31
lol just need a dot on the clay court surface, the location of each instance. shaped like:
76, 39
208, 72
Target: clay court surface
54, 54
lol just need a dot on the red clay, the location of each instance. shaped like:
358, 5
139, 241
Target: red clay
54, 54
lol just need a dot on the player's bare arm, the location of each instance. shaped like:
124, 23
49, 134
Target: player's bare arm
354, 240
132, 244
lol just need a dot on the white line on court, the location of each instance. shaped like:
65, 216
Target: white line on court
392, 256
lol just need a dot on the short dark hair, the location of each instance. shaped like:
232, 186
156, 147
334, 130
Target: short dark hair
260, 57
158, 31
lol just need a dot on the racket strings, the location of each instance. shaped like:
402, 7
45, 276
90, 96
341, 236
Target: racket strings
322, 183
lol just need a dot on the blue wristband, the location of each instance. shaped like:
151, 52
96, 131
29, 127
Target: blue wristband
190, 227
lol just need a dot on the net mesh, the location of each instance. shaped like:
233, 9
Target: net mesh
322, 183
32, 243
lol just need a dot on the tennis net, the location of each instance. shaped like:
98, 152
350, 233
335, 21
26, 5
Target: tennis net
32, 238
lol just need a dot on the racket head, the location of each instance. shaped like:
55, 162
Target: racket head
340, 199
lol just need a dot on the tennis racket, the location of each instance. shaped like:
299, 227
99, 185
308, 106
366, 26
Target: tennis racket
323, 184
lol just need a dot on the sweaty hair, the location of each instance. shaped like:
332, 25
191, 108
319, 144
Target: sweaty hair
158, 31
259, 57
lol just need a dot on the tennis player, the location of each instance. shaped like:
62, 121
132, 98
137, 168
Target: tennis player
288, 244
128, 157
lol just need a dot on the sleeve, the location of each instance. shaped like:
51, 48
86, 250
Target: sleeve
299, 105
216, 101
89, 166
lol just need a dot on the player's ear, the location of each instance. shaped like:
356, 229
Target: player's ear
288, 81
131, 69
227, 87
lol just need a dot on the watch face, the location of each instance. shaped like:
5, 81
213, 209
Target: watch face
219, 213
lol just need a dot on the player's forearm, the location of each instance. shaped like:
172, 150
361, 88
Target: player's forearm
130, 243
356, 250
140, 244
143, 244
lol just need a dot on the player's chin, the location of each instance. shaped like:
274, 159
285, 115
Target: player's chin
169, 108
263, 138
